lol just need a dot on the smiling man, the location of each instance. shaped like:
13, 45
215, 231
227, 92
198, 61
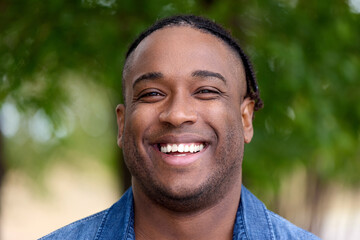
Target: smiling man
189, 97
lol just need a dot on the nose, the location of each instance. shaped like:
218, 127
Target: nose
178, 111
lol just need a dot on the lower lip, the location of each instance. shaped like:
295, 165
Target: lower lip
181, 159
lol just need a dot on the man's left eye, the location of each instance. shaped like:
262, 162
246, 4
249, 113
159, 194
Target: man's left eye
207, 91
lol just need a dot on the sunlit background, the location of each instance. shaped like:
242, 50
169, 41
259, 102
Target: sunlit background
60, 81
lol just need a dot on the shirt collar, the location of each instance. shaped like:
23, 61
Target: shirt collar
118, 223
252, 220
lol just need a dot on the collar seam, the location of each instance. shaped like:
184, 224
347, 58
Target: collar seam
130, 225
269, 222
243, 221
100, 229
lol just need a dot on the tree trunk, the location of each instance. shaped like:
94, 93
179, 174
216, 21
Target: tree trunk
317, 191
2, 165
2, 161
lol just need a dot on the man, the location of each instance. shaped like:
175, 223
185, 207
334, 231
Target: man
189, 97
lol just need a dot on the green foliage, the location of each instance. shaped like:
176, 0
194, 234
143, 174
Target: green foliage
307, 59
306, 55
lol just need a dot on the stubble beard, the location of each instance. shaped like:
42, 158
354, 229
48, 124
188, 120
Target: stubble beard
210, 192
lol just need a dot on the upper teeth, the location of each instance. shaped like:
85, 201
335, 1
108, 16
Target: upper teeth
182, 147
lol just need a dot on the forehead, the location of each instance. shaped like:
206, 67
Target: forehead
180, 50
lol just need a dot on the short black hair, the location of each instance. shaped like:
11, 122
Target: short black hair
204, 24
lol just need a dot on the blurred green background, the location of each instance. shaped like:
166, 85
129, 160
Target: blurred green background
60, 81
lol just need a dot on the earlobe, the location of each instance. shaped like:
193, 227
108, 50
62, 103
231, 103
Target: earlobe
120, 119
247, 111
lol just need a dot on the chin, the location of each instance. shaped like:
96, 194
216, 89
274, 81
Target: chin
187, 198
182, 200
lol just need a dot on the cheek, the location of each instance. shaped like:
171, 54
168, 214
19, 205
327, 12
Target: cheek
226, 122
139, 119
222, 116
136, 122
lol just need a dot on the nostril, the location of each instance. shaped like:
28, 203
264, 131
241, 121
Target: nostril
178, 117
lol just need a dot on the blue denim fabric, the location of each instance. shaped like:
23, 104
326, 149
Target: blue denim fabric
253, 221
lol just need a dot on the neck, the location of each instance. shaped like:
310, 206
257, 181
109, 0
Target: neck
153, 221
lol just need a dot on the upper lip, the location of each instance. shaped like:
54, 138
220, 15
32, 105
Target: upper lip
179, 138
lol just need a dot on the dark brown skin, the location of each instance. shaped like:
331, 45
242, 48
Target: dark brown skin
184, 86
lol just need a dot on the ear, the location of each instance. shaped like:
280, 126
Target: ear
247, 111
120, 118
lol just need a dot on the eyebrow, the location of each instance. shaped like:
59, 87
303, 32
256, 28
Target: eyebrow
197, 73
148, 76
205, 74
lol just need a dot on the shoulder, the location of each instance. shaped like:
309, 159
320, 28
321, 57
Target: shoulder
85, 228
114, 221
261, 223
284, 229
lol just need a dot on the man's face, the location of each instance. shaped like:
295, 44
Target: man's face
186, 120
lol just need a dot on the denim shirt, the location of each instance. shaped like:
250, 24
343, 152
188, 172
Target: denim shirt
253, 221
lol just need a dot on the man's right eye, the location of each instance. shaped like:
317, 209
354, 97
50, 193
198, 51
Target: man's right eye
151, 96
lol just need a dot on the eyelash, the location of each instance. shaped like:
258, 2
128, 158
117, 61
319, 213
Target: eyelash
207, 91
151, 94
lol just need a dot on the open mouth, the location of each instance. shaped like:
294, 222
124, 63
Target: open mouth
180, 148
